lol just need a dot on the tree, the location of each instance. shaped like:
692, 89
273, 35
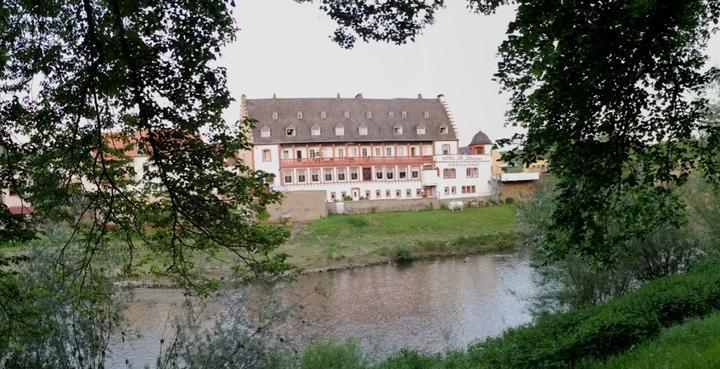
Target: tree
605, 88
82, 82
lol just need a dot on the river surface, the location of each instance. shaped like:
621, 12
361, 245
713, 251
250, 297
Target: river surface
432, 306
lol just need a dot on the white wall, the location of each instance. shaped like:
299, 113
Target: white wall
453, 147
272, 166
460, 163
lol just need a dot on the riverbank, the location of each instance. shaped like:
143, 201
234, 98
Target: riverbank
342, 241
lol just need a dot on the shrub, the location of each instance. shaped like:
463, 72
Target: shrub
330, 355
402, 255
562, 340
510, 200
358, 221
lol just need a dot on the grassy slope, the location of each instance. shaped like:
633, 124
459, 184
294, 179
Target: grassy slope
693, 345
364, 238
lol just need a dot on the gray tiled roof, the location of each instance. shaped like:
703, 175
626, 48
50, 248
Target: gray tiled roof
380, 126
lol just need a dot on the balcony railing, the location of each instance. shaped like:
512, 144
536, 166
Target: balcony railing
319, 162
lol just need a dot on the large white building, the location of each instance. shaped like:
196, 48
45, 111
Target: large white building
358, 148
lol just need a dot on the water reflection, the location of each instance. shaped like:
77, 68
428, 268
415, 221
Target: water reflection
431, 306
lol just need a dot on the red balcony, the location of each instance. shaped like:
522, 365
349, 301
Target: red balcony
319, 162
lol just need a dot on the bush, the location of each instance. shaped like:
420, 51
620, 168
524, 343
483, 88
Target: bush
358, 221
563, 340
510, 200
403, 255
329, 355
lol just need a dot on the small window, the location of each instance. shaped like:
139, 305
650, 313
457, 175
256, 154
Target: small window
427, 115
367, 194
443, 130
449, 173
347, 115
339, 131
418, 192
332, 196
378, 173
378, 194
398, 193
364, 151
378, 151
389, 173
341, 174
323, 115
363, 130
290, 131
471, 172
397, 130
420, 130
341, 153
299, 115
368, 115
288, 176
388, 151
301, 176
328, 174
354, 174
315, 175
415, 173
315, 131
387, 193
453, 190
408, 193
391, 115
404, 114
447, 190
266, 155
402, 173
312, 153
446, 149
286, 154
265, 132
401, 151
274, 115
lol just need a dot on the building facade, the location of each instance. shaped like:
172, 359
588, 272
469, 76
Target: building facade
358, 148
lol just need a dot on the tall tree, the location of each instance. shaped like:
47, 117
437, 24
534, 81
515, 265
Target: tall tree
607, 89
83, 83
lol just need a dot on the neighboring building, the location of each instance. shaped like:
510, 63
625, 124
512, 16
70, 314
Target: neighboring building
15, 204
358, 148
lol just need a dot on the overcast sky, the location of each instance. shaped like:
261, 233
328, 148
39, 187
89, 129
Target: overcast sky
284, 48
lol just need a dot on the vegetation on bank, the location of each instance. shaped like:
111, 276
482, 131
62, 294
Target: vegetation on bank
368, 238
579, 338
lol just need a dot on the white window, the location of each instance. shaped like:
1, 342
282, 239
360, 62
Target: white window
449, 173
339, 131
391, 115
313, 153
402, 173
364, 151
347, 115
387, 193
353, 152
315, 175
378, 151
286, 154
363, 130
341, 174
315, 131
378, 173
301, 176
299, 115
452, 189
266, 155
443, 130
390, 173
401, 151
328, 172
368, 115
471, 172
415, 173
397, 130
388, 151
446, 149
354, 174
404, 114
323, 115
265, 132
341, 153
275, 115
408, 192
420, 130
290, 131
288, 176
427, 115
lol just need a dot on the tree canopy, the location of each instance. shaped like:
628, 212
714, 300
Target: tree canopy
610, 90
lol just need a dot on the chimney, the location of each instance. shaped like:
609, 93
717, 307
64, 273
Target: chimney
274, 96
358, 96
419, 96
441, 97
338, 95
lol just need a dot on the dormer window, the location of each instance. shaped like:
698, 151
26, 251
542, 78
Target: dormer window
290, 131
315, 131
363, 130
339, 131
391, 115
265, 132
368, 115
347, 115
420, 130
443, 130
323, 115
404, 114
274, 115
299, 115
397, 130
427, 115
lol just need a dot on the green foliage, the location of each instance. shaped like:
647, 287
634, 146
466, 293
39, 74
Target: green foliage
358, 222
692, 345
331, 355
510, 200
402, 255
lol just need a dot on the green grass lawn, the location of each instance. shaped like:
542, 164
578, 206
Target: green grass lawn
693, 345
365, 238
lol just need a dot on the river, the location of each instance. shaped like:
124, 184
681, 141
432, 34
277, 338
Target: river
433, 306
